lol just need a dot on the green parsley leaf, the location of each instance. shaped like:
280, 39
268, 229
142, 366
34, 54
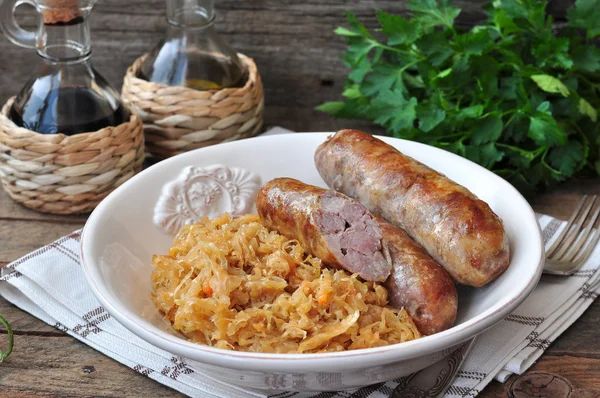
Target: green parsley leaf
412, 81
544, 130
511, 8
542, 174
384, 77
571, 83
587, 109
393, 111
444, 73
587, 58
404, 117
435, 47
470, 112
508, 87
516, 132
352, 92
585, 15
357, 51
430, 116
544, 107
345, 32
461, 71
553, 52
434, 13
520, 158
360, 71
565, 108
486, 155
331, 107
550, 84
566, 158
504, 23
397, 29
349, 109
473, 43
357, 26
487, 130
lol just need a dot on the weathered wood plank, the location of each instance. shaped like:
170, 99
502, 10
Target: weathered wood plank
27, 394
18, 238
581, 339
23, 323
581, 373
11, 210
62, 366
563, 199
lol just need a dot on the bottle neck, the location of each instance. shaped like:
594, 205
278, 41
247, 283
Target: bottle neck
65, 39
68, 68
190, 13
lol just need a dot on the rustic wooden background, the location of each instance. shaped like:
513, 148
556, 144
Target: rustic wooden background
292, 42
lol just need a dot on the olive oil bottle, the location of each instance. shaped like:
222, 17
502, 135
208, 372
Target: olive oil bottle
192, 53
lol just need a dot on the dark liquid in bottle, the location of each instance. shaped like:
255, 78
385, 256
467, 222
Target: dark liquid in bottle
69, 111
75, 21
201, 72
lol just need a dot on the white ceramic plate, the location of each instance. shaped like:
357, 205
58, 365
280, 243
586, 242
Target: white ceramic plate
120, 238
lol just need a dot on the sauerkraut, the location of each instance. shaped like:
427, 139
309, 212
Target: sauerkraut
231, 283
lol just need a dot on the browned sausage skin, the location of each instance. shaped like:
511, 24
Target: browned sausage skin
458, 230
331, 226
418, 283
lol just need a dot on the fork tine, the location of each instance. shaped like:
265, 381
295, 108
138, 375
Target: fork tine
573, 231
583, 237
574, 235
558, 240
584, 255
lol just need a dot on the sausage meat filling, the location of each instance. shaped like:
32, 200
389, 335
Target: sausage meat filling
353, 236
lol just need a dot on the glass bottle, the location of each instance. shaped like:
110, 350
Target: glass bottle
67, 95
192, 53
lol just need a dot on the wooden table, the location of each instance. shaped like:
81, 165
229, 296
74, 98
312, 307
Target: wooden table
48, 362
298, 57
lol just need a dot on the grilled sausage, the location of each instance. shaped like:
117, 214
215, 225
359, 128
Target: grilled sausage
458, 230
418, 283
329, 225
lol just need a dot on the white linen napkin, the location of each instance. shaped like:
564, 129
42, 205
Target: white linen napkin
49, 283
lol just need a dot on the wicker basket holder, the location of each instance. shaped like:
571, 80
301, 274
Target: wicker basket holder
178, 119
55, 173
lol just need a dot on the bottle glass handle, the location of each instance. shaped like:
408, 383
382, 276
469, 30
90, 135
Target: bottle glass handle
11, 28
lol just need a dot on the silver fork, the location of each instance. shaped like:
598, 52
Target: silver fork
575, 243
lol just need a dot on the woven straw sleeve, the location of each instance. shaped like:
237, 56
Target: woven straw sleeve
178, 119
55, 173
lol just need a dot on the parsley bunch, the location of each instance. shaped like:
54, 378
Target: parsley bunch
510, 94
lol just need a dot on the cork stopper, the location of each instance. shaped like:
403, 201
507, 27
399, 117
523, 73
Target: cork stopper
60, 12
